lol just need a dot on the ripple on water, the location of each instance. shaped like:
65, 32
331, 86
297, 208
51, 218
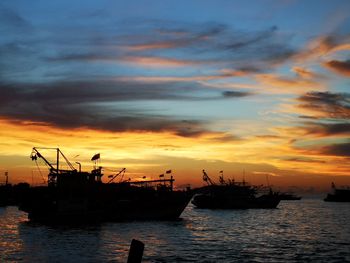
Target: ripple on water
306, 230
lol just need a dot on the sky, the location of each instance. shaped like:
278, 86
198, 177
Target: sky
253, 88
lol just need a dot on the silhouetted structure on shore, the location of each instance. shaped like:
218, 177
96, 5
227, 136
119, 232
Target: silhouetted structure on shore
338, 195
12, 194
73, 195
233, 195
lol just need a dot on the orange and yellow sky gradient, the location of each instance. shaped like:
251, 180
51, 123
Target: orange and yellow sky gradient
254, 86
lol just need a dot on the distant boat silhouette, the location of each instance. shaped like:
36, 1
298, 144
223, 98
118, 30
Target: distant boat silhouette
233, 195
338, 195
74, 196
289, 196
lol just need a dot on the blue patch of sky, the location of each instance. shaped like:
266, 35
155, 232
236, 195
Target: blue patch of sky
64, 27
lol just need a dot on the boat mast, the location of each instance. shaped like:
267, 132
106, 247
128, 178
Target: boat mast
207, 179
7, 177
57, 159
243, 176
54, 171
35, 154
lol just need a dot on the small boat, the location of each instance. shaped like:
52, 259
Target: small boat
289, 196
233, 195
76, 196
338, 195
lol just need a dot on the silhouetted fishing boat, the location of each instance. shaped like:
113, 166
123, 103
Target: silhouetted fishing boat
233, 195
73, 195
338, 195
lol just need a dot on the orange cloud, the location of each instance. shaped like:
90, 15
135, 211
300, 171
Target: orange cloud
159, 61
322, 46
150, 46
149, 154
222, 74
304, 73
287, 84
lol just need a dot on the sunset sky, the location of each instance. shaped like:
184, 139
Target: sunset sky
254, 86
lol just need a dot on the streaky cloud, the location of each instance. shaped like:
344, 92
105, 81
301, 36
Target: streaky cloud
188, 44
97, 105
303, 160
327, 129
236, 94
322, 46
340, 67
326, 104
287, 84
9, 19
340, 149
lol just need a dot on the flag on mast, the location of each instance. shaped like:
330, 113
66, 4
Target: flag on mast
168, 172
95, 157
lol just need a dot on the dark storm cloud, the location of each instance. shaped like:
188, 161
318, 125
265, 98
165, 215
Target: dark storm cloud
341, 67
327, 104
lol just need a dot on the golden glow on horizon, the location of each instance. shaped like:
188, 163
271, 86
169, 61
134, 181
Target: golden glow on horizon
150, 154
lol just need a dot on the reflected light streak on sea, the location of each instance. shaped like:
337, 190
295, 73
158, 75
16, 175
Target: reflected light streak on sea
298, 231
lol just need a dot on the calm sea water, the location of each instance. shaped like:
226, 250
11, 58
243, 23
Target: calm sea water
309, 230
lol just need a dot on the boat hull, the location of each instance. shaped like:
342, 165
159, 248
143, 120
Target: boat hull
234, 202
45, 204
338, 195
337, 198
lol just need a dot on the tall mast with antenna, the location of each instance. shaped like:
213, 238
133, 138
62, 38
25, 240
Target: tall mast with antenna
7, 177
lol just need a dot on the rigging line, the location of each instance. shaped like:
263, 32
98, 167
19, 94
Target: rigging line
37, 165
121, 179
67, 161
111, 170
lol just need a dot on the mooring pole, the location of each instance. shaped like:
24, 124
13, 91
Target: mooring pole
136, 251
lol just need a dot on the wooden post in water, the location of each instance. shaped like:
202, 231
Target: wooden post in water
136, 251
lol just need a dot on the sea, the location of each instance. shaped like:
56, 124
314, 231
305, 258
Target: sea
309, 230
